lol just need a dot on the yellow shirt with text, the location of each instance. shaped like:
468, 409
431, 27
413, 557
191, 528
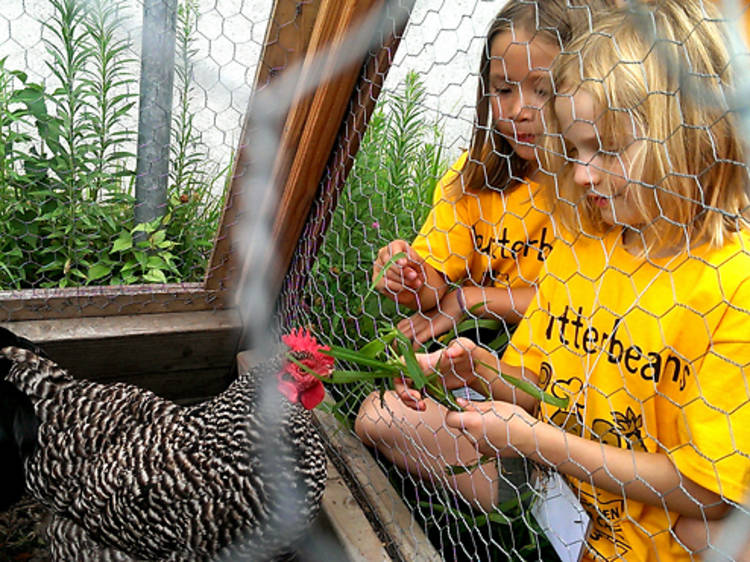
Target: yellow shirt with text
655, 356
498, 238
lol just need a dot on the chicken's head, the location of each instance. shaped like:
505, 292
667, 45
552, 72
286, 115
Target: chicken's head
297, 384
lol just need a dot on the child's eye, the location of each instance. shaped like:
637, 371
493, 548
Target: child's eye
503, 91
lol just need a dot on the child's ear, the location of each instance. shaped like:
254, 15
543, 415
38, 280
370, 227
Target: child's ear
19, 427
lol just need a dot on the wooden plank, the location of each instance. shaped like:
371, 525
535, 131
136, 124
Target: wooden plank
350, 525
76, 302
399, 531
325, 114
287, 37
178, 355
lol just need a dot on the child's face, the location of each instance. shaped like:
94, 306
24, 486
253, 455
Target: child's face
519, 86
603, 170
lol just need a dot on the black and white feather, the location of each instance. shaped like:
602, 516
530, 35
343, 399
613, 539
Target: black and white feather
128, 474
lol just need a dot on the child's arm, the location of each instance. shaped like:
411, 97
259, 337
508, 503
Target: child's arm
650, 478
464, 363
508, 304
409, 280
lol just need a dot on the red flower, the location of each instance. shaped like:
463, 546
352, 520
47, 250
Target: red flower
294, 382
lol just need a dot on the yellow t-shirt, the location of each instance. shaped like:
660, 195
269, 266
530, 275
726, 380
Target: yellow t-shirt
495, 238
655, 356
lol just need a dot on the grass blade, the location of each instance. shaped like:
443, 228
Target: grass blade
388, 264
531, 389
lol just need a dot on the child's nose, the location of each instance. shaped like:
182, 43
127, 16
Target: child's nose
584, 174
522, 111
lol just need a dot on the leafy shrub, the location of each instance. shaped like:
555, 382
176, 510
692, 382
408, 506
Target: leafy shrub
66, 174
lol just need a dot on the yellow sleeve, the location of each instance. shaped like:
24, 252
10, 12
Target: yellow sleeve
445, 240
522, 351
716, 421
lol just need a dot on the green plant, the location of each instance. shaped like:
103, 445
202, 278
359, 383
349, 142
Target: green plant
107, 101
194, 209
387, 195
65, 173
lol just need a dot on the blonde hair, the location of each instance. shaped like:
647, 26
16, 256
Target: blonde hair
660, 74
492, 162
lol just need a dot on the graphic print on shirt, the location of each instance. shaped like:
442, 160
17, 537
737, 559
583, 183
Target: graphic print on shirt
606, 518
505, 248
623, 430
501, 247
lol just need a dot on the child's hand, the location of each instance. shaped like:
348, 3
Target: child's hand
404, 277
496, 427
454, 364
423, 326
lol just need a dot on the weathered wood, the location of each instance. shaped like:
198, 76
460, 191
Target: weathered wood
179, 356
350, 525
361, 107
76, 302
287, 37
325, 113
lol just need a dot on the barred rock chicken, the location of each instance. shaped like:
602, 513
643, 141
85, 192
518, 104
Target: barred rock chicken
127, 474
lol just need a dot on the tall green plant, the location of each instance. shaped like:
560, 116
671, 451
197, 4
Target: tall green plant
387, 196
70, 49
108, 100
194, 200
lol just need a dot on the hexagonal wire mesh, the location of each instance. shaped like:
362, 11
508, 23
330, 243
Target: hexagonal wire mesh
72, 150
606, 332
423, 123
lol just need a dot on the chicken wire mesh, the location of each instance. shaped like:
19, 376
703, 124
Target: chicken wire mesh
120, 124
386, 192
420, 127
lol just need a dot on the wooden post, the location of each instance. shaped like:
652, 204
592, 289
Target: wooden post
287, 38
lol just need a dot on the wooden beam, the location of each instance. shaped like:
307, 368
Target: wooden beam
287, 37
78, 302
351, 527
180, 356
324, 114
361, 107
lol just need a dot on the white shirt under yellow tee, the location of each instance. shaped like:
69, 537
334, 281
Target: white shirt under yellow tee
655, 356
498, 238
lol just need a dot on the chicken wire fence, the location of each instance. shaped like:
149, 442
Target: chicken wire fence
120, 122
71, 171
417, 132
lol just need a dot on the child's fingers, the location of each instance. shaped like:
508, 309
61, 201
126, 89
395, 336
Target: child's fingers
428, 362
413, 399
408, 395
463, 421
